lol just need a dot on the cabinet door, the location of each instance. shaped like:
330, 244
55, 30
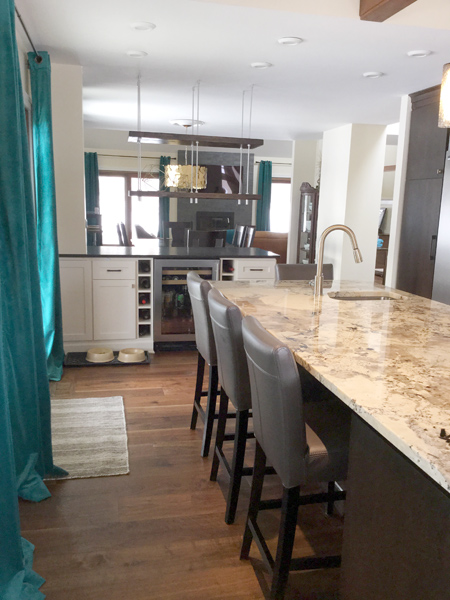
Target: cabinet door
76, 299
114, 309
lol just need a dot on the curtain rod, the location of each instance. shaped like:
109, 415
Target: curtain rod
37, 57
127, 156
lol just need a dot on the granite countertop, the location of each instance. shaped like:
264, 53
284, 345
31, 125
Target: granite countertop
159, 249
388, 360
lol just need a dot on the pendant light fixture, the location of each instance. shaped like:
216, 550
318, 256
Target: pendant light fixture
444, 104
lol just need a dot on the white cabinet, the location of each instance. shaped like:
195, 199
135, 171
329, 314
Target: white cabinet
114, 293
76, 298
248, 269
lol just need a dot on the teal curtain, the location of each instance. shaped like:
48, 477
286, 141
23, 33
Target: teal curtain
92, 190
164, 201
46, 228
264, 190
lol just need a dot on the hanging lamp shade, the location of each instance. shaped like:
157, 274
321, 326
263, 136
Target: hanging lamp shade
179, 176
444, 104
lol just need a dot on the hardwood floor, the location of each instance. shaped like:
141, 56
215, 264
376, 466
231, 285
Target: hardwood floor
159, 532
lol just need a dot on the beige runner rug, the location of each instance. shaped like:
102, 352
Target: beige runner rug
89, 436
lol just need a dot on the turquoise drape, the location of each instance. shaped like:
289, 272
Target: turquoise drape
46, 228
164, 201
264, 189
92, 190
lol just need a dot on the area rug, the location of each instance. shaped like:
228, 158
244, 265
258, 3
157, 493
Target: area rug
89, 436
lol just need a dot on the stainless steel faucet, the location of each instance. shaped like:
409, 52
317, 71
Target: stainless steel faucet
318, 279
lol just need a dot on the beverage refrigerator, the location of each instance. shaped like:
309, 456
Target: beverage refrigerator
173, 320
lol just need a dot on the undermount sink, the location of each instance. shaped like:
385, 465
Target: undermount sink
369, 295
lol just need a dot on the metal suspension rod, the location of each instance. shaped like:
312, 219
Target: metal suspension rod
249, 135
240, 147
139, 129
37, 56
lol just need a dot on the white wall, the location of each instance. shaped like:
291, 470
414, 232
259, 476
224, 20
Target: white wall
68, 149
350, 193
303, 169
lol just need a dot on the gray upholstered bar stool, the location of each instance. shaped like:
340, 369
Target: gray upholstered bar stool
301, 272
226, 322
304, 442
204, 338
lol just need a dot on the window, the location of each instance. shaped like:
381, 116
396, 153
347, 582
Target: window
116, 206
280, 204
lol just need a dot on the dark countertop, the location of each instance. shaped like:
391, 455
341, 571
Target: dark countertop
158, 249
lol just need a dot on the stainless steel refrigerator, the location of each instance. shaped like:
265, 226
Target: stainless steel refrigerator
441, 280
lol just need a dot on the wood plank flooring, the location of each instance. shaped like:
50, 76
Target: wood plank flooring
159, 532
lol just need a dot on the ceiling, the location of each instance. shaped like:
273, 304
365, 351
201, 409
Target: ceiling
312, 87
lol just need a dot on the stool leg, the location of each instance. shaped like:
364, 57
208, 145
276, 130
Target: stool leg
198, 388
289, 511
221, 425
210, 410
255, 497
240, 439
330, 503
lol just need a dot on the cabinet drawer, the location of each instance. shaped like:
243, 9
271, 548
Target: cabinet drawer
255, 269
114, 269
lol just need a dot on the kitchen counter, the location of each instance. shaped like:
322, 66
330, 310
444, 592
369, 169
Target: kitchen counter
160, 249
388, 360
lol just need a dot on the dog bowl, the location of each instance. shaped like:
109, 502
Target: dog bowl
131, 355
99, 355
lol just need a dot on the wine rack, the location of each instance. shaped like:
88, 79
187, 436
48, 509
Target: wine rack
145, 298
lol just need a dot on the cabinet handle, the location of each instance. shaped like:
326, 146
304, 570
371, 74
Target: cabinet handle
256, 269
439, 171
114, 270
433, 247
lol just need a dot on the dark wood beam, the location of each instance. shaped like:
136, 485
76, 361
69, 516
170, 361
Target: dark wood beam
380, 10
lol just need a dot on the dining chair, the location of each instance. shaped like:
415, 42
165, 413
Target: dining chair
178, 230
232, 366
206, 239
141, 233
305, 443
248, 236
238, 236
119, 234
300, 272
198, 291
125, 238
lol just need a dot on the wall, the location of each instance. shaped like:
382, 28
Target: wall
68, 149
350, 193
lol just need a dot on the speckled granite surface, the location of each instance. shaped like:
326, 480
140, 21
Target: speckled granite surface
389, 360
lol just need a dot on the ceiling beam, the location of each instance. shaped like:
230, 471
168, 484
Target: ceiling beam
380, 10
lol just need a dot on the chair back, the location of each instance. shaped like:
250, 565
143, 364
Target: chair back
126, 240
119, 234
178, 229
141, 233
276, 402
206, 239
204, 338
239, 235
248, 236
232, 366
300, 272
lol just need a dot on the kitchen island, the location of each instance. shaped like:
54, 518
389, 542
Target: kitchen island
388, 361
121, 296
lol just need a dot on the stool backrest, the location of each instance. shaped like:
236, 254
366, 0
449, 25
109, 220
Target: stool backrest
301, 272
232, 366
239, 234
204, 337
276, 402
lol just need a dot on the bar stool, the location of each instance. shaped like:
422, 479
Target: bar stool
305, 443
204, 338
226, 322
301, 272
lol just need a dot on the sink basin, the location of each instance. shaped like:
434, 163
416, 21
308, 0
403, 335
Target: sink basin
369, 295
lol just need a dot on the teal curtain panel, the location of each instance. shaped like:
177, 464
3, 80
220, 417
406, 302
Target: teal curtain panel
264, 190
92, 190
164, 201
46, 228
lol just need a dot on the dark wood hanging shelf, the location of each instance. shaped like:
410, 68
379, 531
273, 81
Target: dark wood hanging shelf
188, 194
182, 139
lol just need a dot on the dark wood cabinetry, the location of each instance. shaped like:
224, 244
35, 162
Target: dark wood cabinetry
423, 190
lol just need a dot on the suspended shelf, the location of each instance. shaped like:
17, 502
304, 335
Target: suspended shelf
188, 194
207, 141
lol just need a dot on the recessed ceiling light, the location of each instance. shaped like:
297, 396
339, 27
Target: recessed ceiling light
186, 122
290, 41
418, 53
142, 25
261, 65
136, 53
373, 74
